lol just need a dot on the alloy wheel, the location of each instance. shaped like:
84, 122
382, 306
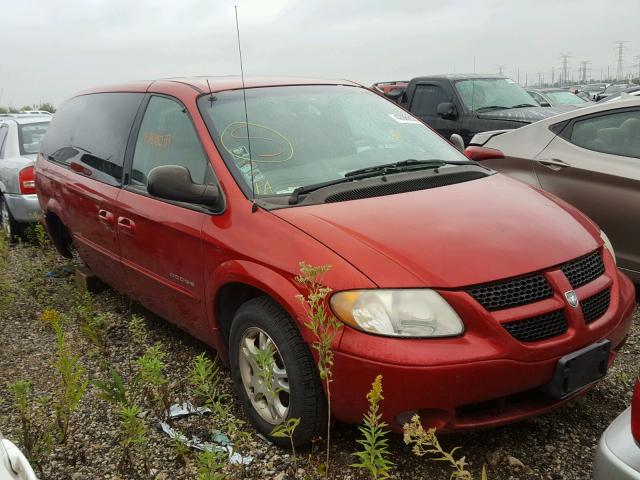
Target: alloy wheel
5, 216
264, 375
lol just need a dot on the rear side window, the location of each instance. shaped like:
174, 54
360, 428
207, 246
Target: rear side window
167, 137
427, 98
615, 133
30, 136
92, 131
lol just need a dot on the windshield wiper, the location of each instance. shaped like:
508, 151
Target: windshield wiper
408, 164
376, 171
522, 105
491, 107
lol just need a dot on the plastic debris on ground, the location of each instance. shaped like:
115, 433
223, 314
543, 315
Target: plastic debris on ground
219, 441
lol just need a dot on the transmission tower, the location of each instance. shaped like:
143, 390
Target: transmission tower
583, 70
565, 64
620, 46
637, 58
500, 69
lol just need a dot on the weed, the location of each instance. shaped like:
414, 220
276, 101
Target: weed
72, 382
286, 430
324, 327
37, 234
152, 380
112, 390
211, 465
374, 452
95, 329
36, 435
133, 437
181, 451
204, 381
138, 329
426, 442
49, 316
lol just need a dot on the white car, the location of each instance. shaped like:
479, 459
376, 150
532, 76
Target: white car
618, 453
13, 464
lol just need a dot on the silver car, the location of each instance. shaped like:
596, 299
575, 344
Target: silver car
618, 454
20, 137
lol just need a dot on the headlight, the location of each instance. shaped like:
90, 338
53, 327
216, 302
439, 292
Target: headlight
398, 313
608, 246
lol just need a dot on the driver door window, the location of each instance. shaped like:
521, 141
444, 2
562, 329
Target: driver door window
167, 137
615, 134
426, 100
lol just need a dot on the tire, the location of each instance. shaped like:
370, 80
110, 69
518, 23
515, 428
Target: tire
12, 229
306, 399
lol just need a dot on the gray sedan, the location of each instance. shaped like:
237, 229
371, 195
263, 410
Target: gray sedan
20, 137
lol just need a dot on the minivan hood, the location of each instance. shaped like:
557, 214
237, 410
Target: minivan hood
526, 114
451, 236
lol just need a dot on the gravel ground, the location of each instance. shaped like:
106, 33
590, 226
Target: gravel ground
559, 445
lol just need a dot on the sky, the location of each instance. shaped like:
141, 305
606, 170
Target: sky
53, 48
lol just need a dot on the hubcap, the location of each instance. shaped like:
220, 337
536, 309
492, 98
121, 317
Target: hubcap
264, 375
6, 219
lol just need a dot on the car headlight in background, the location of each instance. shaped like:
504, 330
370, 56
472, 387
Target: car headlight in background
400, 313
608, 246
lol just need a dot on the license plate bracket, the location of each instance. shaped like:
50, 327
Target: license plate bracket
579, 369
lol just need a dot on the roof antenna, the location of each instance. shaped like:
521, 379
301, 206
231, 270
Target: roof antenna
254, 206
211, 97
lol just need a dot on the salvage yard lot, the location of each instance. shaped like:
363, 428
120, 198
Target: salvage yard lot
559, 445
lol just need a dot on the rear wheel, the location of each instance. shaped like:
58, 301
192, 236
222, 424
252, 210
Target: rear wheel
274, 372
10, 227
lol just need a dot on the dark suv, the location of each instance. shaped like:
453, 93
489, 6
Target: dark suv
467, 104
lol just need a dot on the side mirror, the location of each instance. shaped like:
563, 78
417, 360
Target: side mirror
446, 110
173, 182
545, 104
457, 141
395, 94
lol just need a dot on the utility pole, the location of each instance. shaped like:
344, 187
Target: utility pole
553, 76
637, 58
565, 64
620, 46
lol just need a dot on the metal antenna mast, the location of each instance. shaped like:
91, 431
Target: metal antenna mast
620, 45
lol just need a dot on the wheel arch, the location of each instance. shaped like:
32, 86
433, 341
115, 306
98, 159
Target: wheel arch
237, 281
57, 229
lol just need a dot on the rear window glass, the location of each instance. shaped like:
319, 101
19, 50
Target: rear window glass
615, 133
31, 134
92, 130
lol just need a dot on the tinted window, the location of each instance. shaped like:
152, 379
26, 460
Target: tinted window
538, 98
167, 137
92, 130
3, 139
31, 135
616, 133
427, 98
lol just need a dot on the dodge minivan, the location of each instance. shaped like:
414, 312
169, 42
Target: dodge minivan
481, 300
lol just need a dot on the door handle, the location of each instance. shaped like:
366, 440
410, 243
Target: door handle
106, 216
554, 164
126, 224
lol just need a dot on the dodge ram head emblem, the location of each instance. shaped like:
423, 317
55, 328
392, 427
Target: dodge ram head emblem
572, 298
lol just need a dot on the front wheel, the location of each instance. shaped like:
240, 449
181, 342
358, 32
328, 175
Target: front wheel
274, 372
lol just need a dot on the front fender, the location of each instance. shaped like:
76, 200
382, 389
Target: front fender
273, 283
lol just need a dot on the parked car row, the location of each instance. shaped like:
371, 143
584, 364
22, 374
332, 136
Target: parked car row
480, 299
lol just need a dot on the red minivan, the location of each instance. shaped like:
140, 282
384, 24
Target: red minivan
480, 300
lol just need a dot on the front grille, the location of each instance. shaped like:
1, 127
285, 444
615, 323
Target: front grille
596, 305
538, 328
412, 185
511, 293
583, 270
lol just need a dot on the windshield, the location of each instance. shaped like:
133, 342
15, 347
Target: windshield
30, 136
616, 88
488, 93
564, 98
304, 135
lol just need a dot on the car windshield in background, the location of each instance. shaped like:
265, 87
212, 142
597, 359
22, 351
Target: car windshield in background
485, 94
30, 136
616, 88
564, 98
305, 135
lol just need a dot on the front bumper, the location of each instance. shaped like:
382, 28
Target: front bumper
23, 208
477, 380
617, 456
